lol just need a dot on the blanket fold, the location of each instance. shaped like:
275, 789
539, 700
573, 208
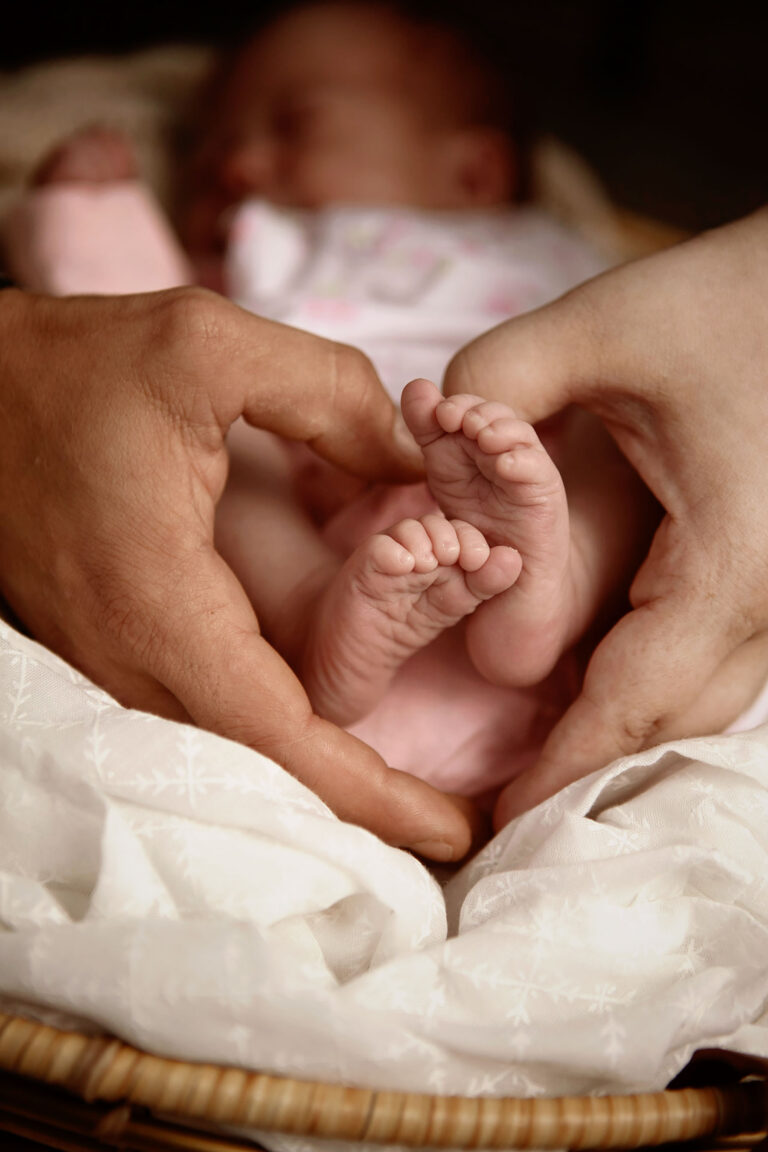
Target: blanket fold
185, 893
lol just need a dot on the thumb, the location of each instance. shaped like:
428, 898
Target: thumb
298, 385
231, 681
527, 362
641, 681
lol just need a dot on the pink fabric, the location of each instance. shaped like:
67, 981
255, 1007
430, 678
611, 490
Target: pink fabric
71, 239
441, 721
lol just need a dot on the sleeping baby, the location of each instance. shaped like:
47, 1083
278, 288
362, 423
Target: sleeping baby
357, 177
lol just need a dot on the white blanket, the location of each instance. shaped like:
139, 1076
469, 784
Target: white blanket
185, 893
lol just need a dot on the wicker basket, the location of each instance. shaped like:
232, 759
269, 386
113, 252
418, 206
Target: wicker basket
110, 1091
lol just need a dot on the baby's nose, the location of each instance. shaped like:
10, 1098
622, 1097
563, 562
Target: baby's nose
248, 168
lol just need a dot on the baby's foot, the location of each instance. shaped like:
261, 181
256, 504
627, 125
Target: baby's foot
396, 592
94, 155
489, 468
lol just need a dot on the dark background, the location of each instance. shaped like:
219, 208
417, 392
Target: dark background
667, 98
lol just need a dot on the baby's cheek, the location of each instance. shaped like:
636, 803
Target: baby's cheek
344, 176
310, 178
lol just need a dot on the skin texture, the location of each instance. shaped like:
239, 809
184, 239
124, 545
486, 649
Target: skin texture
671, 353
113, 414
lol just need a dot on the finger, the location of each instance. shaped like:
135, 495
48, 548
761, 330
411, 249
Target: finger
208, 653
302, 387
613, 343
359, 787
643, 676
528, 362
738, 684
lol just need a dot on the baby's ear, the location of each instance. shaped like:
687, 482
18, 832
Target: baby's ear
480, 167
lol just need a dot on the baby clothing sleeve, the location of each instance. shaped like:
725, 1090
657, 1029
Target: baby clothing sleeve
68, 238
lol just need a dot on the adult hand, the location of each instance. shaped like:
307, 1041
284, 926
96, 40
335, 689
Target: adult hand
113, 414
671, 353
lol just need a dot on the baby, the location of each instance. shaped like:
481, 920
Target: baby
354, 103
379, 151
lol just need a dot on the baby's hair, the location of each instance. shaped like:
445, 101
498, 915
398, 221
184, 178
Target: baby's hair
469, 47
475, 51
466, 46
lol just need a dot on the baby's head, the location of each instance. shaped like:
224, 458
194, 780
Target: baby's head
354, 101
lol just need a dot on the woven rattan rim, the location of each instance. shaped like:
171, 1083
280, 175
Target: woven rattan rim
98, 1068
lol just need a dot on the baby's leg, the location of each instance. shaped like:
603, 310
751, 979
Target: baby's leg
488, 467
394, 595
346, 627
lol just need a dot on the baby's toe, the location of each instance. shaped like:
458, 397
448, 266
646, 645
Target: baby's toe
486, 413
416, 540
499, 572
523, 464
385, 556
452, 411
418, 402
445, 540
474, 548
506, 432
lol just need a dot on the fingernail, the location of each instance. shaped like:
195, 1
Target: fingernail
439, 850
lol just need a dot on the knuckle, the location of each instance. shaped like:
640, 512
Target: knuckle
635, 731
192, 321
192, 338
616, 722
